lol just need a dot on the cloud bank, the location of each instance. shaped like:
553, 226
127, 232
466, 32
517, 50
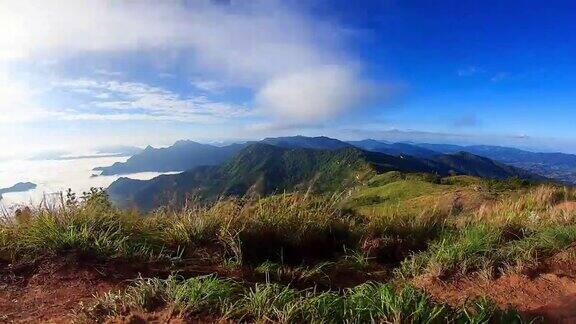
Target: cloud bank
297, 67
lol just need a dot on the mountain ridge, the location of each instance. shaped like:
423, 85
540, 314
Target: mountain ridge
262, 169
182, 155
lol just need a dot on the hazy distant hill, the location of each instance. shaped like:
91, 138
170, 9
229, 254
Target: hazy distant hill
475, 165
319, 142
183, 155
395, 149
19, 187
558, 166
262, 169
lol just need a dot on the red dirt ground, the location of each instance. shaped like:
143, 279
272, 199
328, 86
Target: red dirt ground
164, 316
51, 294
50, 290
567, 206
550, 294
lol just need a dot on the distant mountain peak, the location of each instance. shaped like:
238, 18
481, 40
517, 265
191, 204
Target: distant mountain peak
182, 155
19, 187
185, 143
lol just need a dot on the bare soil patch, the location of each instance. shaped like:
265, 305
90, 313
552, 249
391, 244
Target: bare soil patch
566, 206
164, 316
49, 290
549, 294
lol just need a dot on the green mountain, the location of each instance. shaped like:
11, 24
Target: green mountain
262, 169
475, 165
557, 166
183, 155
258, 169
395, 149
318, 142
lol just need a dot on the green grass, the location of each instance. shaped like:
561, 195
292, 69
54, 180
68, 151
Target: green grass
369, 302
515, 234
297, 230
397, 191
283, 228
393, 193
301, 239
106, 233
206, 295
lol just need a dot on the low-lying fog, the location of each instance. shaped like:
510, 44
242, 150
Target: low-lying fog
55, 176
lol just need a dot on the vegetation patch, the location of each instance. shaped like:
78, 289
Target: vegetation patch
304, 257
210, 296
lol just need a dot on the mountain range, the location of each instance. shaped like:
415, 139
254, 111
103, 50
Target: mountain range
557, 166
277, 165
183, 155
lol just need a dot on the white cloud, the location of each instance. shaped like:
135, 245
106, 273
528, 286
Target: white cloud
314, 94
15, 103
114, 100
295, 64
247, 42
210, 86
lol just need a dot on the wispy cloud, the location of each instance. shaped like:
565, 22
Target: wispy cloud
16, 105
210, 86
108, 73
469, 71
114, 100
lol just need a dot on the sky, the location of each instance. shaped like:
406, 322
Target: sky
75, 75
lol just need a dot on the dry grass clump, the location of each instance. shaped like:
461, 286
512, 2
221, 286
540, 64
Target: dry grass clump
282, 227
514, 234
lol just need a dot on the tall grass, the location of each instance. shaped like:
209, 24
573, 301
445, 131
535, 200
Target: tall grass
293, 229
514, 234
282, 228
210, 296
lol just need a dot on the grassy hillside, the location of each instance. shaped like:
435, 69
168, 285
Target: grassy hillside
408, 193
380, 251
262, 169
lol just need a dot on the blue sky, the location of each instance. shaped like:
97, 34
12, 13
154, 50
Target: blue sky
80, 74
